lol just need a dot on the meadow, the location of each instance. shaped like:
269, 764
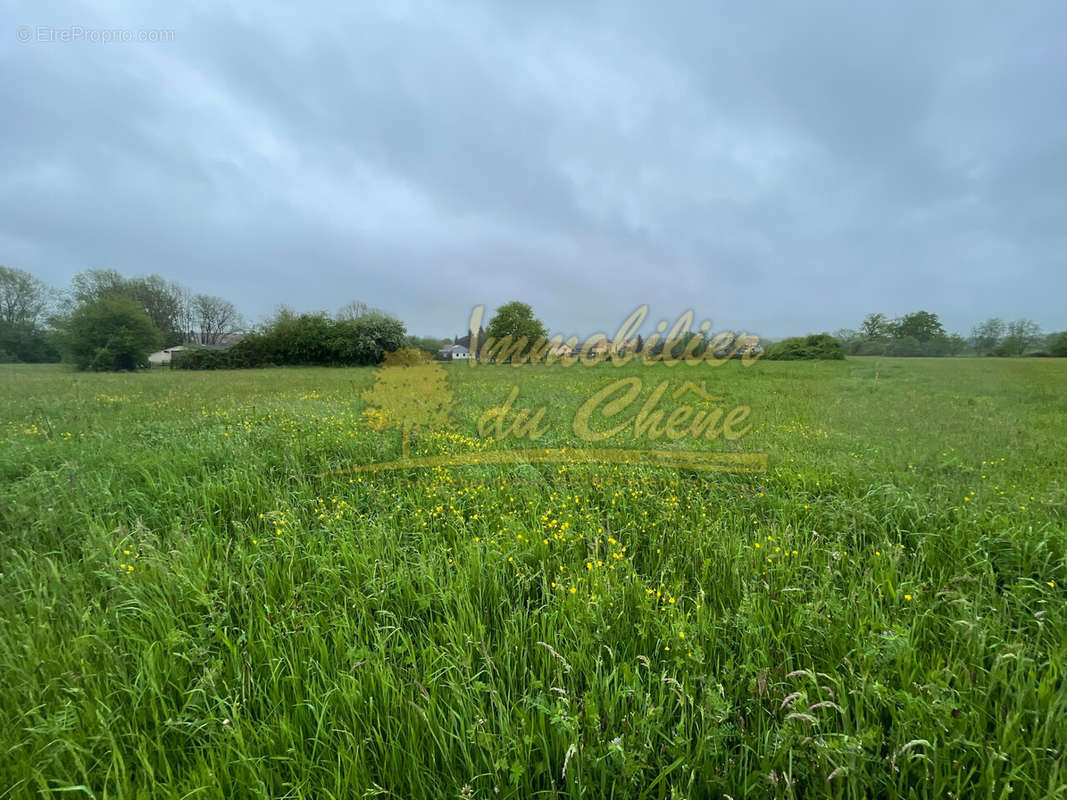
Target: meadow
189, 608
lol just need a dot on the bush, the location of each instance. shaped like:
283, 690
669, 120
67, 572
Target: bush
818, 346
1057, 344
870, 347
306, 340
27, 343
904, 346
112, 333
201, 358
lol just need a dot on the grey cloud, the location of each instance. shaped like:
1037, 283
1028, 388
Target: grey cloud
782, 170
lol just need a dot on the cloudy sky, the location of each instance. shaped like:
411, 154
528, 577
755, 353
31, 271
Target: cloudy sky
782, 171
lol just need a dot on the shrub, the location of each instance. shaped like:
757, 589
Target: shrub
904, 346
112, 333
27, 343
306, 340
201, 358
1057, 344
366, 340
818, 346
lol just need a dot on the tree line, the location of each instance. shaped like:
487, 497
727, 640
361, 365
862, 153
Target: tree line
106, 321
921, 333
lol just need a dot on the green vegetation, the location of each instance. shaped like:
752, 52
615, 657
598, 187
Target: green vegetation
513, 331
304, 340
186, 611
819, 346
23, 304
111, 333
920, 333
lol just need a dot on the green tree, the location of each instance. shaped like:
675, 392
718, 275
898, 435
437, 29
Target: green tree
875, 326
367, 339
24, 301
513, 331
1020, 336
986, 336
166, 303
850, 339
1057, 344
923, 326
956, 345
426, 344
111, 333
23, 298
163, 301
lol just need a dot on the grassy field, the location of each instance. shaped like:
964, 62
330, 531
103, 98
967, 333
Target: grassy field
187, 611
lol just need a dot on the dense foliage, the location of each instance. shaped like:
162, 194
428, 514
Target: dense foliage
1057, 344
24, 301
922, 334
110, 333
513, 331
816, 347
305, 340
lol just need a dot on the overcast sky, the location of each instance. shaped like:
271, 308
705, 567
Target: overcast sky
782, 171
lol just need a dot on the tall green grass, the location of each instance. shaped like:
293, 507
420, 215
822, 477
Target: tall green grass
186, 611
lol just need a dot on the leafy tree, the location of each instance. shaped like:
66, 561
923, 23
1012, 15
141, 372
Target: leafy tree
24, 300
851, 340
165, 302
956, 345
94, 284
871, 347
29, 344
876, 326
986, 336
923, 326
110, 333
425, 344
1020, 336
514, 331
904, 346
367, 339
1057, 344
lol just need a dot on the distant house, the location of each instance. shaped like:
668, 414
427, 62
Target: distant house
562, 350
162, 358
599, 349
453, 352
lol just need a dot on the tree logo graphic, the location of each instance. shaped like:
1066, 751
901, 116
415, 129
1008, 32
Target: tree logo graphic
410, 393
